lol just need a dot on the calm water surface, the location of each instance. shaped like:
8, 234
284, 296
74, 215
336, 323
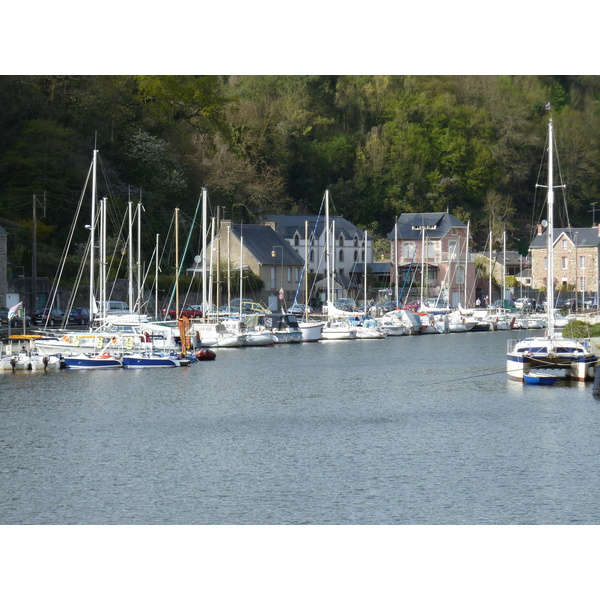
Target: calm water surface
411, 430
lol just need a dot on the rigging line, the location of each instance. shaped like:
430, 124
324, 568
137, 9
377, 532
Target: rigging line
446, 381
65, 253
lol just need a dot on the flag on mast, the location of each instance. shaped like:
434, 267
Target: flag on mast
13, 311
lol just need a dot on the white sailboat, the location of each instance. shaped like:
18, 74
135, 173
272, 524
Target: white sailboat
338, 327
550, 351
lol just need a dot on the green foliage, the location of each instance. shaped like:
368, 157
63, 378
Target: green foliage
580, 329
383, 145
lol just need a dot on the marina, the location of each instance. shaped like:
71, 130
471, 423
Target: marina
422, 429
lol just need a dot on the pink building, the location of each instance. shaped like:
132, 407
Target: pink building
433, 258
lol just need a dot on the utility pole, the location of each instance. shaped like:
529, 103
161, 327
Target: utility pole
42, 204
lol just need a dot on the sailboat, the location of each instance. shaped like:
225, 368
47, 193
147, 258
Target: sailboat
550, 351
338, 326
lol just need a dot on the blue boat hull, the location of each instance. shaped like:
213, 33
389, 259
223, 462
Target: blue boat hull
84, 362
148, 362
539, 379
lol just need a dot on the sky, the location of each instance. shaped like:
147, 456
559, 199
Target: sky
314, 37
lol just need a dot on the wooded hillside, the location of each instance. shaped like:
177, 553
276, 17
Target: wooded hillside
383, 145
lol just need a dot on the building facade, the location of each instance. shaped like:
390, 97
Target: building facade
308, 234
430, 251
576, 261
262, 250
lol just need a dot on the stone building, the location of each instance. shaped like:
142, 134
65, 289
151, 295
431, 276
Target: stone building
263, 251
576, 261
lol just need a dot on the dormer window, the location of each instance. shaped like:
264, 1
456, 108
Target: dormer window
564, 244
355, 240
296, 240
341, 240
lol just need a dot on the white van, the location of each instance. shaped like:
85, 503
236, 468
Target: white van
116, 307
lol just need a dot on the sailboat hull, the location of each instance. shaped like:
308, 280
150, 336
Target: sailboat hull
544, 353
140, 361
83, 361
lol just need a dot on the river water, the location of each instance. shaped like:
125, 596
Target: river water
411, 430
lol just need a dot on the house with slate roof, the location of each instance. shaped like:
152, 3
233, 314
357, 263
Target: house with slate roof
309, 230
432, 249
307, 233
263, 251
576, 258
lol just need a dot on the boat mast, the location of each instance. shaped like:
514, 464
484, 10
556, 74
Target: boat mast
365, 274
550, 236
422, 262
204, 301
241, 272
395, 261
466, 261
103, 257
504, 269
130, 254
327, 251
139, 256
92, 236
177, 263
333, 291
306, 270
212, 245
156, 283
489, 302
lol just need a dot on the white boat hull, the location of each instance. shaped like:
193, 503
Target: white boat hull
24, 362
311, 332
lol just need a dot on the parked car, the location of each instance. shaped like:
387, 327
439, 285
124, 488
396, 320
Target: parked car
79, 316
116, 307
346, 304
411, 306
299, 309
249, 307
437, 303
524, 303
573, 304
46, 316
184, 310
15, 320
503, 304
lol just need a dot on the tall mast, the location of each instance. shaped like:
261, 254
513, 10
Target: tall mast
156, 283
395, 261
490, 273
466, 261
504, 268
422, 262
130, 255
550, 236
327, 250
177, 262
365, 273
139, 256
204, 217
92, 236
306, 269
103, 257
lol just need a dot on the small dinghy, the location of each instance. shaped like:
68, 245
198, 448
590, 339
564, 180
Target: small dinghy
539, 378
205, 354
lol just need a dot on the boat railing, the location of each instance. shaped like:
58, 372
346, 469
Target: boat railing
510, 345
